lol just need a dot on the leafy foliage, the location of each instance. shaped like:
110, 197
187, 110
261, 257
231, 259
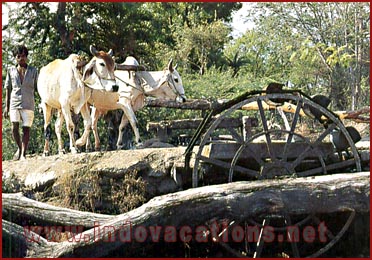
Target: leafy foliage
330, 39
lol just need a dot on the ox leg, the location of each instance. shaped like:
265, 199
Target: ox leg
58, 130
95, 116
70, 128
88, 146
129, 113
123, 123
47, 113
87, 125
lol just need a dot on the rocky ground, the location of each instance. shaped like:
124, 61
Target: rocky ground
106, 182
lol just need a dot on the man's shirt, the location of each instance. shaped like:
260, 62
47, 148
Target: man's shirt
22, 93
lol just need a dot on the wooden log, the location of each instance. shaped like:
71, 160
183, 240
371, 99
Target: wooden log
193, 104
192, 124
237, 201
226, 151
287, 107
355, 115
202, 104
16, 206
291, 108
130, 67
17, 243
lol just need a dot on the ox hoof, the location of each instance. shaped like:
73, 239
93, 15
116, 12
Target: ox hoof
89, 150
138, 146
62, 151
17, 155
46, 154
97, 149
73, 150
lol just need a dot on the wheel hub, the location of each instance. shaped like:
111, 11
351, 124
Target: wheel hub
275, 169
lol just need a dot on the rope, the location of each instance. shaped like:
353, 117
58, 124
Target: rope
130, 85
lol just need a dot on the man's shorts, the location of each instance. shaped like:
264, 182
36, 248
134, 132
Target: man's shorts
22, 115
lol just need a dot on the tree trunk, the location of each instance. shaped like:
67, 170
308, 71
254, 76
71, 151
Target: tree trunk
17, 208
60, 26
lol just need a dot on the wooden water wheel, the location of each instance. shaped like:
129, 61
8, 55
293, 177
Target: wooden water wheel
294, 136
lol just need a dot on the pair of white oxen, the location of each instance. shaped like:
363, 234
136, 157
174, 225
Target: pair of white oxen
74, 85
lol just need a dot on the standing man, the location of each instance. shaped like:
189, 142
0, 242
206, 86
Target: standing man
20, 86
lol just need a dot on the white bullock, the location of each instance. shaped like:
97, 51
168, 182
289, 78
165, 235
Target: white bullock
133, 87
62, 86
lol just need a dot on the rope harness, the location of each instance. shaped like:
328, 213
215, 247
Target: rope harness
169, 79
99, 78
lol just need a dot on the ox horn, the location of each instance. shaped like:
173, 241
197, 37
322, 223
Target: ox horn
110, 52
93, 50
170, 66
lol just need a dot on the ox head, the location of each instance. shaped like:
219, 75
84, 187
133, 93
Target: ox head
172, 84
99, 72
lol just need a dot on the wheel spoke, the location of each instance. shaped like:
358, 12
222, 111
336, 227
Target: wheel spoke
281, 229
302, 156
236, 157
238, 138
227, 165
330, 167
293, 127
330, 128
266, 129
253, 154
293, 242
261, 241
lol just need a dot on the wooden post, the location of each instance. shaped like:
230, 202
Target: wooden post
162, 133
248, 123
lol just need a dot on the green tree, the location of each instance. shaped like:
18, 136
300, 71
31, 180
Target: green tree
194, 32
201, 44
336, 33
262, 55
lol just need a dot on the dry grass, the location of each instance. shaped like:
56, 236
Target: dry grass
129, 193
88, 190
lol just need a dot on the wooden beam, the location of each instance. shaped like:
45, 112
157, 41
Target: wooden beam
130, 67
192, 124
287, 107
226, 151
291, 108
202, 104
193, 104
